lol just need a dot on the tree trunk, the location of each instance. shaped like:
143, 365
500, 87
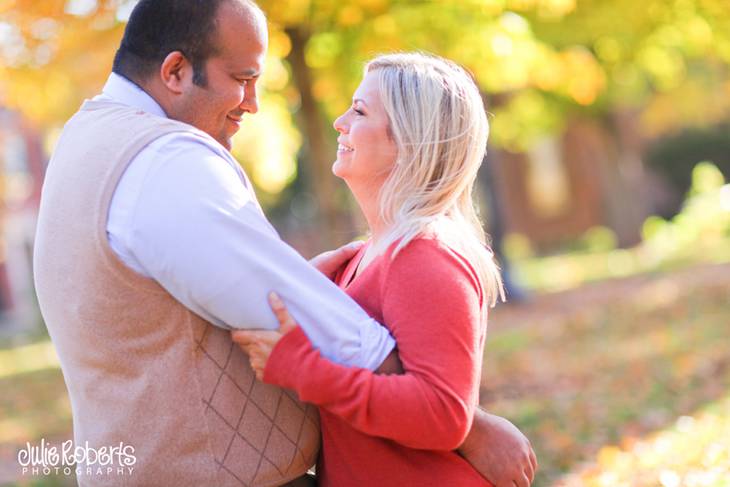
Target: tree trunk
318, 153
629, 197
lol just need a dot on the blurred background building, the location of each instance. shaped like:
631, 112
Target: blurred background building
22, 162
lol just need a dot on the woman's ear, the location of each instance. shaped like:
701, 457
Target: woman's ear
176, 72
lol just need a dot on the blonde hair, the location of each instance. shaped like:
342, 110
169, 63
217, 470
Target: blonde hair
437, 120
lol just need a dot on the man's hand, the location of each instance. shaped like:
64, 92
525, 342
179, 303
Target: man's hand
328, 262
499, 451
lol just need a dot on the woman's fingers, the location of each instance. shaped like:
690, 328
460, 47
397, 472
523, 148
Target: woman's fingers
346, 252
256, 349
533, 461
242, 337
286, 322
328, 262
522, 481
258, 344
250, 341
258, 367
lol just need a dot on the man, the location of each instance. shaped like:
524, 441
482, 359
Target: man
151, 245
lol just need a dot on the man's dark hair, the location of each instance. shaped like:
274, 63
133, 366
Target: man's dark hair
158, 27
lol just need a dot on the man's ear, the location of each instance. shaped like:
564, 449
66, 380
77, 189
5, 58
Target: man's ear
176, 72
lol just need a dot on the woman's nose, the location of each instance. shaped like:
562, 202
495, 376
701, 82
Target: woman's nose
340, 124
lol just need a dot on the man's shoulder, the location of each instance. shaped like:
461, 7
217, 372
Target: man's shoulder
101, 123
192, 140
195, 147
166, 132
191, 155
112, 115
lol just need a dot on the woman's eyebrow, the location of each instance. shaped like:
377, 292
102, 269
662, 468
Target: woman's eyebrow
359, 100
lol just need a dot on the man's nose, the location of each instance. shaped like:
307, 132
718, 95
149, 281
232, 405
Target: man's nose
250, 102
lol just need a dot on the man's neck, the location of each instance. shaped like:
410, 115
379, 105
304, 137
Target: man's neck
151, 89
129, 92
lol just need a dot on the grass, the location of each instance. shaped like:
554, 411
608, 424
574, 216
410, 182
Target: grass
694, 451
28, 358
611, 376
35, 406
574, 269
33, 403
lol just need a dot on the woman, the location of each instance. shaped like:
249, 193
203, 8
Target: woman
409, 150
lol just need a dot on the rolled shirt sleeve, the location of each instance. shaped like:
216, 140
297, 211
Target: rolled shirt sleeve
198, 230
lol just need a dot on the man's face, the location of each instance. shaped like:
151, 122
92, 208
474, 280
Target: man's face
231, 75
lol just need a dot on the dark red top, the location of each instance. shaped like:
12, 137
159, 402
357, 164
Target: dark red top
398, 430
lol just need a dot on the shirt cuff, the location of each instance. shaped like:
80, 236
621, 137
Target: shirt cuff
376, 343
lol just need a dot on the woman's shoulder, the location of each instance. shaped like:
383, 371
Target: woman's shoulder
432, 259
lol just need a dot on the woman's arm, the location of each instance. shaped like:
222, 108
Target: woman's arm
432, 307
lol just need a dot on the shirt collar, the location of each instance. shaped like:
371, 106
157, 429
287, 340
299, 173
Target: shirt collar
120, 89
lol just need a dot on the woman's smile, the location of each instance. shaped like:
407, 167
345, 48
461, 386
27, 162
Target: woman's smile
344, 149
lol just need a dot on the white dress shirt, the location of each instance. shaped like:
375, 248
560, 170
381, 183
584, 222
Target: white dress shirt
185, 215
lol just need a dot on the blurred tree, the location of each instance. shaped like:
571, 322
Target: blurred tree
55, 53
677, 155
648, 70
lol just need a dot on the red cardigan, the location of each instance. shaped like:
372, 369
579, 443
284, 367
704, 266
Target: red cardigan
399, 430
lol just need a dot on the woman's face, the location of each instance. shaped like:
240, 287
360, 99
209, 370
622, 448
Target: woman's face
366, 153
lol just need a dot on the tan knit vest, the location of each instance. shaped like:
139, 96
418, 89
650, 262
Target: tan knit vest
140, 367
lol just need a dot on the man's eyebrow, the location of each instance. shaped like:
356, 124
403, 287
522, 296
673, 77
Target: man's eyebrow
359, 100
251, 73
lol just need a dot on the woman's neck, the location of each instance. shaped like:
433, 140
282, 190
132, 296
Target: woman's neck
367, 200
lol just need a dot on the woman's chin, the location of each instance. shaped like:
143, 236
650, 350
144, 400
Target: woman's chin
338, 169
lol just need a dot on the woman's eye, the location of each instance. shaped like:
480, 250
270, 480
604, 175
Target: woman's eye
359, 112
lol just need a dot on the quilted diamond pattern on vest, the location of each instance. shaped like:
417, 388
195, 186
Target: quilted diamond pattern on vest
260, 434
